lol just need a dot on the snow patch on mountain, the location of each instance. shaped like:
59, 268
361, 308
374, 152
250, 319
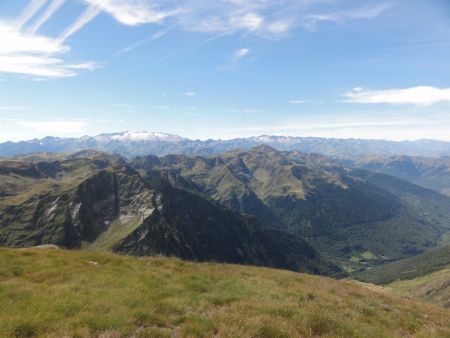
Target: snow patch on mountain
139, 136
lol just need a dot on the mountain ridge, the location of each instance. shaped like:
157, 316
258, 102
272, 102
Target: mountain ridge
316, 198
131, 144
107, 205
305, 202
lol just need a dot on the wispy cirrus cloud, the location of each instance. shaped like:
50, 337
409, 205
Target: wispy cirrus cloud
35, 55
189, 93
135, 12
33, 7
88, 15
420, 96
298, 101
240, 53
48, 13
46, 57
155, 36
23, 51
360, 13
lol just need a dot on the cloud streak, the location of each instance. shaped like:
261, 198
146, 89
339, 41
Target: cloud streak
155, 36
89, 14
24, 51
34, 55
33, 7
420, 96
51, 9
133, 12
367, 12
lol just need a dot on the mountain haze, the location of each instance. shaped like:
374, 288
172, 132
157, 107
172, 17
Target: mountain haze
131, 144
432, 173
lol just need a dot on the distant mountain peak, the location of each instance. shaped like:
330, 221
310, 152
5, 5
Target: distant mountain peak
141, 143
139, 136
264, 148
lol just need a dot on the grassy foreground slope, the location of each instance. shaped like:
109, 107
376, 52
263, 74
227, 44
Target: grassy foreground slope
58, 293
433, 288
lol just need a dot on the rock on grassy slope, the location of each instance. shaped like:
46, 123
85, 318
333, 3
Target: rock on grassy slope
59, 293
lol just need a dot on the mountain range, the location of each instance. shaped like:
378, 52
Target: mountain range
131, 144
429, 172
285, 209
98, 201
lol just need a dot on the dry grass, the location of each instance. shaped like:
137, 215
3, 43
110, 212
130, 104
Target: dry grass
433, 288
57, 293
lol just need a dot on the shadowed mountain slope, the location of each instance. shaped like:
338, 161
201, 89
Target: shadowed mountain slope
360, 217
104, 204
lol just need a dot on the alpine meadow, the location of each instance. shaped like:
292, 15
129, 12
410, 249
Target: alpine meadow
226, 168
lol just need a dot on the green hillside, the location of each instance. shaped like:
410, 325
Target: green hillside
425, 277
429, 172
409, 268
357, 217
433, 287
99, 202
58, 293
289, 210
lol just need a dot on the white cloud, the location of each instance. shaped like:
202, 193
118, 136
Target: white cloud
51, 9
250, 21
14, 41
89, 14
245, 110
155, 36
240, 53
23, 51
33, 7
421, 96
34, 55
259, 17
133, 12
279, 27
368, 12
58, 127
298, 101
189, 93
40, 66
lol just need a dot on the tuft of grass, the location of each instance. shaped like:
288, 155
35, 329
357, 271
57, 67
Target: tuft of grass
57, 293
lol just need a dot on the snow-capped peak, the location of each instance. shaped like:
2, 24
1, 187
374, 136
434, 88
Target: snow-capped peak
140, 136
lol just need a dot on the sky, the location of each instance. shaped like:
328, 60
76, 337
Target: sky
377, 69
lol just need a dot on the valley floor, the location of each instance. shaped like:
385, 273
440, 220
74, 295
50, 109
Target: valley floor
58, 293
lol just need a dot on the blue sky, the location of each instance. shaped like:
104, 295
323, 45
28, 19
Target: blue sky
225, 68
